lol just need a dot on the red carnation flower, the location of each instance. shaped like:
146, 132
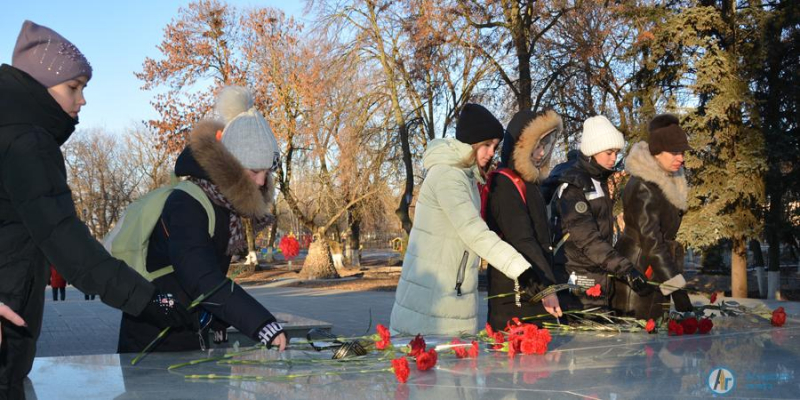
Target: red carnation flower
461, 352
489, 330
705, 326
650, 327
426, 360
499, 339
674, 328
713, 297
386, 338
778, 317
648, 273
512, 350
417, 346
689, 325
473, 351
400, 368
533, 346
594, 291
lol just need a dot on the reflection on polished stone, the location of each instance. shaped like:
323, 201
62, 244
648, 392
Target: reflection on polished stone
761, 362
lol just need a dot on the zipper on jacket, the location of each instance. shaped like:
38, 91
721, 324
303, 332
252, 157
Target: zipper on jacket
462, 270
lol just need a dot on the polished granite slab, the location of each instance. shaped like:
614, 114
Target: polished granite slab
762, 362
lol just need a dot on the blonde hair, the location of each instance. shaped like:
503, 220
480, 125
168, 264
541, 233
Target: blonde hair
472, 158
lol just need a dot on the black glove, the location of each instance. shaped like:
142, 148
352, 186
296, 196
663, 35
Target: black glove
269, 332
219, 330
637, 282
163, 310
529, 284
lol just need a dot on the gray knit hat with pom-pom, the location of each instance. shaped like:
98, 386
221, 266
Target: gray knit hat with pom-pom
247, 134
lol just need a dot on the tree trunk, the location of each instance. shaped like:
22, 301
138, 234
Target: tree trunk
739, 268
250, 235
355, 241
318, 263
273, 231
758, 263
402, 211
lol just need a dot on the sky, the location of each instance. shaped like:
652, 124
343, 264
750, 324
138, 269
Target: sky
116, 37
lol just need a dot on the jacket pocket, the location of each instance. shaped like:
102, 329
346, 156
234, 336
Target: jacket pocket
462, 270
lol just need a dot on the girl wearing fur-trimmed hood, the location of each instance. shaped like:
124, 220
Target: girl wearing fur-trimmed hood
232, 162
522, 221
654, 201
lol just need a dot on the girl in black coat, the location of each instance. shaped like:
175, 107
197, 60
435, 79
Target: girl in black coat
41, 95
522, 222
583, 209
232, 163
654, 201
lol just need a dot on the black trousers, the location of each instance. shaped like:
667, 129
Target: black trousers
18, 348
56, 291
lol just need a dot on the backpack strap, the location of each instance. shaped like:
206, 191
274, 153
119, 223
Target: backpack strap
516, 179
197, 193
484, 189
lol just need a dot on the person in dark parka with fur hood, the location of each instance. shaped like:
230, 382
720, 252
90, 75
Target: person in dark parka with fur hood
232, 163
527, 146
583, 209
654, 201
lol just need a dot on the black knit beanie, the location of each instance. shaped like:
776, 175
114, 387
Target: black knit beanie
476, 124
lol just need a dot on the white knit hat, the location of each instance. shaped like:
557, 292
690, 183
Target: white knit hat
247, 134
600, 135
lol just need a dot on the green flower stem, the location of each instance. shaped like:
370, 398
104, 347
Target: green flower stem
150, 346
283, 377
552, 289
166, 330
296, 361
212, 359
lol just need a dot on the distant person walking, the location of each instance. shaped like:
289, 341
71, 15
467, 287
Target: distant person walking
58, 283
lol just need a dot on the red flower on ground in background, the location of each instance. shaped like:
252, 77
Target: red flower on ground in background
594, 291
385, 338
674, 328
778, 317
650, 327
290, 247
417, 346
713, 297
400, 368
704, 326
648, 273
689, 325
426, 360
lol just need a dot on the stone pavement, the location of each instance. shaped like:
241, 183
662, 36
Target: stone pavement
79, 327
